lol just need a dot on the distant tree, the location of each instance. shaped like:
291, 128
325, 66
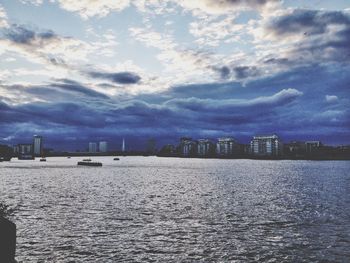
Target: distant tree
6, 153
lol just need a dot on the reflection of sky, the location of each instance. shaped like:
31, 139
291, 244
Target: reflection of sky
200, 68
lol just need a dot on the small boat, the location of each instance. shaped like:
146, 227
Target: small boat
89, 163
42, 159
68, 157
87, 160
116, 159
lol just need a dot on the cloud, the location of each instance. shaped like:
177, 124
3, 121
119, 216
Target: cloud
214, 31
21, 35
3, 17
73, 86
294, 38
101, 8
174, 113
45, 47
228, 106
119, 77
33, 2
60, 113
90, 8
68, 107
243, 72
307, 22
223, 71
321, 36
183, 64
331, 98
225, 6
58, 91
237, 72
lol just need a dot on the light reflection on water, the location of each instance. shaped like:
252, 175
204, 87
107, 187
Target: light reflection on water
150, 209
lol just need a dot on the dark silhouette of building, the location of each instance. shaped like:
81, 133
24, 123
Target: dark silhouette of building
205, 148
266, 145
24, 151
38, 145
187, 147
227, 147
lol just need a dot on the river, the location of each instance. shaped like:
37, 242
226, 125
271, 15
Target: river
149, 209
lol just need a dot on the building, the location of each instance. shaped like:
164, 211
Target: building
187, 147
38, 145
266, 145
312, 146
123, 145
24, 151
226, 147
92, 147
205, 148
103, 147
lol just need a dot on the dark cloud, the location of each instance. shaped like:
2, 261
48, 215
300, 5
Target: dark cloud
236, 72
35, 43
307, 22
280, 61
19, 34
322, 37
73, 86
22, 35
218, 109
233, 105
119, 77
223, 71
58, 62
243, 72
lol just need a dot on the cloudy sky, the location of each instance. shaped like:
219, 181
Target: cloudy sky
91, 70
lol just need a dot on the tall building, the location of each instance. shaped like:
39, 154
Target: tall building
38, 145
266, 145
25, 151
103, 147
187, 147
123, 145
227, 147
205, 147
92, 147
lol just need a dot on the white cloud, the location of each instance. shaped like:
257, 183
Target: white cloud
3, 18
226, 6
331, 98
33, 2
213, 31
182, 64
90, 8
10, 59
50, 49
101, 8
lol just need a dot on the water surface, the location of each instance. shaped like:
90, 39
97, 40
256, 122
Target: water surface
148, 209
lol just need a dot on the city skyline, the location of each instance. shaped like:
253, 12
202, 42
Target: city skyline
78, 72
